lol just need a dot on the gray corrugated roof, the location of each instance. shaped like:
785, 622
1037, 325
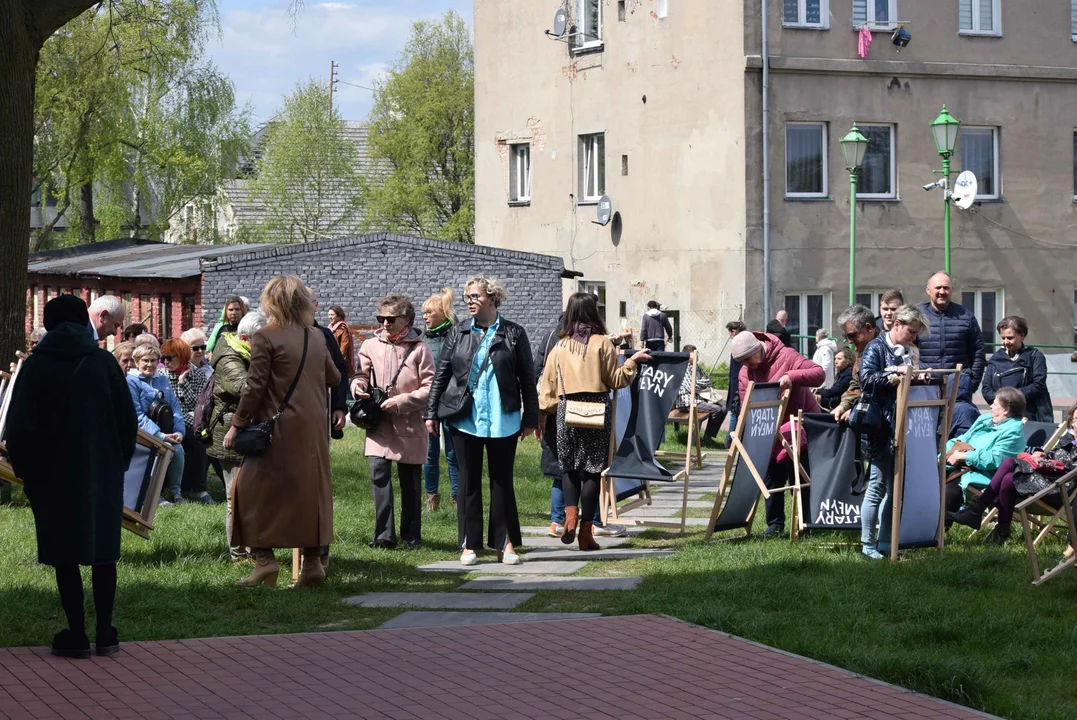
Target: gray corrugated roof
143, 261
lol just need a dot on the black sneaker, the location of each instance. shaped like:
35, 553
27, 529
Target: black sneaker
69, 645
412, 544
383, 544
109, 644
772, 531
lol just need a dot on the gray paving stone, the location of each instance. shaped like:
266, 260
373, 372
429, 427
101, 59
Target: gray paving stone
446, 600
539, 582
495, 568
676, 503
603, 554
545, 531
550, 542
429, 619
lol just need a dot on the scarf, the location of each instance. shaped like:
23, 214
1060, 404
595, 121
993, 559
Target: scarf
333, 327
242, 349
440, 328
576, 343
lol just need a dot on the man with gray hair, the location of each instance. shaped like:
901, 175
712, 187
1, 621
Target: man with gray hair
857, 325
107, 315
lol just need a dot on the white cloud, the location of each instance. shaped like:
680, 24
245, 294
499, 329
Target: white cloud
335, 6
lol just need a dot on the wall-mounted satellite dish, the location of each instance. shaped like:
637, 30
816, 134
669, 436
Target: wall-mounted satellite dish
560, 24
965, 190
605, 211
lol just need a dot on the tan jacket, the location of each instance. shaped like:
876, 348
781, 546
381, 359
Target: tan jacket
284, 499
597, 371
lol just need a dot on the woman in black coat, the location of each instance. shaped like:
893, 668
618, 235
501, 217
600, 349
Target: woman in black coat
70, 436
1019, 366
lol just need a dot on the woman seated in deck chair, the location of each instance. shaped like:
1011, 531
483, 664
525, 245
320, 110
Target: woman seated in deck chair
1021, 477
992, 439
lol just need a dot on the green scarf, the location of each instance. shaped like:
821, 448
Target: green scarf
242, 349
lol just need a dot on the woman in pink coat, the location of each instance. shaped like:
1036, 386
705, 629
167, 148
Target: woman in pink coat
402, 365
764, 359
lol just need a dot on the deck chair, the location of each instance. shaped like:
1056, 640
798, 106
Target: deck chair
1034, 530
840, 477
688, 418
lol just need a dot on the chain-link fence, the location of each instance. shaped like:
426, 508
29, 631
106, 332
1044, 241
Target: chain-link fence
706, 330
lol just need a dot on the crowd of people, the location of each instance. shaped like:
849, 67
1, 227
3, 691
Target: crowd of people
473, 389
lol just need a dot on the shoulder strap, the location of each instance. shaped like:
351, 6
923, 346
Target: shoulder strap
392, 383
560, 378
482, 367
295, 380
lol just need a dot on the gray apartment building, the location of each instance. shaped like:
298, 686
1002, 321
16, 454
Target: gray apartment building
658, 104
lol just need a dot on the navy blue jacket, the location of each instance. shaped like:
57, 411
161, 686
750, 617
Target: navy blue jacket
1028, 374
829, 397
954, 337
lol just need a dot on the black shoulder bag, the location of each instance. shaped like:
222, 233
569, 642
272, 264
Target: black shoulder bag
255, 439
161, 414
367, 412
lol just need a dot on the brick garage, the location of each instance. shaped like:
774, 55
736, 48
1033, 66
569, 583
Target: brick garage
355, 272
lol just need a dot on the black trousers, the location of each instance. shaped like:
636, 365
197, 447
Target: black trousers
195, 464
955, 496
777, 477
411, 508
69, 584
504, 517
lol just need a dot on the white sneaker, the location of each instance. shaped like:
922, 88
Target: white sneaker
610, 530
469, 558
510, 559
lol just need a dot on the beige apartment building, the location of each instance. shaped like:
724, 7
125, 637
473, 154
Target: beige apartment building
657, 104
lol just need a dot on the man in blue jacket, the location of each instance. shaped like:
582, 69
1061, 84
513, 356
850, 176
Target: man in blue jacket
954, 337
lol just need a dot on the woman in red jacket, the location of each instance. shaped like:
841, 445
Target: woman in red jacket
765, 359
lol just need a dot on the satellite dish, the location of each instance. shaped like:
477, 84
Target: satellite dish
560, 23
965, 190
605, 210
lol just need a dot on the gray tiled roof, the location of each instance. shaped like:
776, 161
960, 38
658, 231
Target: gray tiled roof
131, 259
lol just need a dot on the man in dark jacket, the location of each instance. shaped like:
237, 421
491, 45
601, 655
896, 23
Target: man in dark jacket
954, 337
777, 326
654, 328
732, 398
1019, 366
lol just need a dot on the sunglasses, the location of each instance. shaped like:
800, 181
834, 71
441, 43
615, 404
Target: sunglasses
851, 336
167, 358
382, 319
473, 297
198, 348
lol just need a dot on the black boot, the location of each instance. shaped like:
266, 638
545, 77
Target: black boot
1001, 534
971, 515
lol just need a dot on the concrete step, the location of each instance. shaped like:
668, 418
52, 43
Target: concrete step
553, 567
531, 543
539, 582
428, 619
445, 600
603, 554
537, 530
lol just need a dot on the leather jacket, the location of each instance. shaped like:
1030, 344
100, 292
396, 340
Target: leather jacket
510, 358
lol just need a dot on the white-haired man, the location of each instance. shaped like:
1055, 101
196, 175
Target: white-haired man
107, 315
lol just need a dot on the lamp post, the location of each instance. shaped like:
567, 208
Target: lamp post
853, 147
945, 129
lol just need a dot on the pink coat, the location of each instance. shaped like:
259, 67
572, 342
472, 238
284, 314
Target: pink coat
401, 434
780, 360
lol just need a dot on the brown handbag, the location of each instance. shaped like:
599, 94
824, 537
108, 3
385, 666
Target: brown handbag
580, 413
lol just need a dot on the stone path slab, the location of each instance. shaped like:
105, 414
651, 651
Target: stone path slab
444, 600
495, 568
463, 619
540, 582
536, 530
603, 554
676, 503
550, 542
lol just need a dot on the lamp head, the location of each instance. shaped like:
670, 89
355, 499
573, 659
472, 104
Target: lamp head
854, 146
945, 129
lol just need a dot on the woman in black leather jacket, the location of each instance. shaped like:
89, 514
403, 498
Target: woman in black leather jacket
484, 390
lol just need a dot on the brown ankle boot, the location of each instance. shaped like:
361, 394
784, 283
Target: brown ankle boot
587, 538
572, 516
433, 502
312, 573
265, 570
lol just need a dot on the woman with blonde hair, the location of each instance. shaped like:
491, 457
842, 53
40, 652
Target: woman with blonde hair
438, 315
284, 497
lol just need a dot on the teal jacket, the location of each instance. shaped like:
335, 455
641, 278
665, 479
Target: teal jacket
993, 443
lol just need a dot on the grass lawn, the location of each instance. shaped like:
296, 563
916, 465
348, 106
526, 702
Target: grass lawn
966, 625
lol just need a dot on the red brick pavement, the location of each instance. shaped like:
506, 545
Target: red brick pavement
658, 668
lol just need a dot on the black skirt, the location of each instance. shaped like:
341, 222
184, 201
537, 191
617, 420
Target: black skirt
584, 448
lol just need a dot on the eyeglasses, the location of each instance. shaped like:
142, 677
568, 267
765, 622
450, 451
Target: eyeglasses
382, 319
198, 348
851, 336
473, 297
166, 358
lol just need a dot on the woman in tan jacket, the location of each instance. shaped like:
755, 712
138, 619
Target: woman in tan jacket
284, 498
583, 367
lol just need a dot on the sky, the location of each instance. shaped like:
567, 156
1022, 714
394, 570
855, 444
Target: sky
265, 56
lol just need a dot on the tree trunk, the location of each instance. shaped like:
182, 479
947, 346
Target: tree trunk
88, 223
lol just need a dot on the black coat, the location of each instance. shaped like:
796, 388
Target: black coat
511, 359
551, 465
338, 396
829, 397
1028, 374
70, 435
776, 328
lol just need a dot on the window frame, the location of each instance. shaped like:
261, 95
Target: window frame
893, 194
581, 42
990, 336
802, 17
806, 346
587, 165
876, 299
598, 289
825, 131
1075, 162
976, 30
875, 25
996, 168
515, 149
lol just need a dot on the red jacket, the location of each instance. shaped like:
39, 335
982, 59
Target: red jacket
780, 360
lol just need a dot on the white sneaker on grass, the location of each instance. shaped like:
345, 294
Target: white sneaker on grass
610, 530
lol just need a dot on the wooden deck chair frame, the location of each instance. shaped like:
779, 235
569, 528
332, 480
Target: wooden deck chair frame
738, 452
1065, 513
801, 480
140, 523
608, 485
946, 402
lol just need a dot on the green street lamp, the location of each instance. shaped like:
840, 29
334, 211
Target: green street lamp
945, 129
853, 147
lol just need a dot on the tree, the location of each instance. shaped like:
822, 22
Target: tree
306, 179
422, 132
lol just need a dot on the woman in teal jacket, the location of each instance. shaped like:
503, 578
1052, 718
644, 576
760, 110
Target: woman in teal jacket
993, 437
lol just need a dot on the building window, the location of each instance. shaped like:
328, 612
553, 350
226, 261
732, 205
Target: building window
589, 24
807, 313
876, 14
592, 167
986, 305
805, 160
980, 17
187, 311
1073, 20
979, 153
598, 289
520, 173
878, 173
1075, 317
871, 299
1075, 154
806, 14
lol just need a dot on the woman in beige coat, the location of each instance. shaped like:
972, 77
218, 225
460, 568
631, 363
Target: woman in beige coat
401, 435
284, 498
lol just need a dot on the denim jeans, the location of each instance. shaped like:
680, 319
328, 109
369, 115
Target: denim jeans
557, 504
432, 468
878, 503
174, 474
